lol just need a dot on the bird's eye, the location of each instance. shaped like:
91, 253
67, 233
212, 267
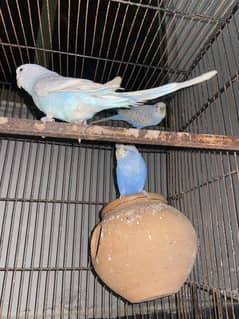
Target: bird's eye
21, 69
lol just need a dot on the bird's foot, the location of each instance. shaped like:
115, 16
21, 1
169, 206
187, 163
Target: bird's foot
146, 194
81, 122
48, 118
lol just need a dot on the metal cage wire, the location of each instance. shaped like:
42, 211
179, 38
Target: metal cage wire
51, 191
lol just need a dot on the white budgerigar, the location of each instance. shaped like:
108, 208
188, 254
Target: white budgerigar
77, 100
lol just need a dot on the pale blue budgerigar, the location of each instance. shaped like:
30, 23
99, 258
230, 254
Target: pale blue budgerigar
131, 170
64, 98
140, 116
77, 100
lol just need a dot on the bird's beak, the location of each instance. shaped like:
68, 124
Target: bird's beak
119, 152
18, 84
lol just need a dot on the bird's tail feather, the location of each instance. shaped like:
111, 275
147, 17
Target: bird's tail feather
199, 79
113, 117
148, 94
114, 84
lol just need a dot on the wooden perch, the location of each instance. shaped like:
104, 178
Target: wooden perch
115, 134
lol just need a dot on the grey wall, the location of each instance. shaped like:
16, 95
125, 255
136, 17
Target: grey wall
51, 191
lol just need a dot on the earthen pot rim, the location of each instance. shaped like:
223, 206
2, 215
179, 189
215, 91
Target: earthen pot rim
139, 198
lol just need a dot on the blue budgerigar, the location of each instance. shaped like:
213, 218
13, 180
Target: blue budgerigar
77, 100
140, 116
131, 170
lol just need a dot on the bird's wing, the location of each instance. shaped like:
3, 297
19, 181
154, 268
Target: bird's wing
113, 84
57, 83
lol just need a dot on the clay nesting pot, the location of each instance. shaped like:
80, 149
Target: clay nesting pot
143, 248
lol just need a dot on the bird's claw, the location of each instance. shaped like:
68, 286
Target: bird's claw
146, 194
80, 122
47, 118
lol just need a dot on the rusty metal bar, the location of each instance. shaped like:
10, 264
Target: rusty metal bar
77, 55
47, 269
207, 288
185, 15
115, 134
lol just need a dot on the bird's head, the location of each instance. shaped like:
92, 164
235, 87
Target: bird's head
28, 74
122, 150
161, 109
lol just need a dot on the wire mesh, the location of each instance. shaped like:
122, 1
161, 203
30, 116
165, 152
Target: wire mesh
46, 220
51, 192
209, 193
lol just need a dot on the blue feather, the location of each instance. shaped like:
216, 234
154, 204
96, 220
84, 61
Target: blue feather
131, 170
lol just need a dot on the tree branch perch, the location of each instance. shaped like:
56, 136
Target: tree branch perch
25, 127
